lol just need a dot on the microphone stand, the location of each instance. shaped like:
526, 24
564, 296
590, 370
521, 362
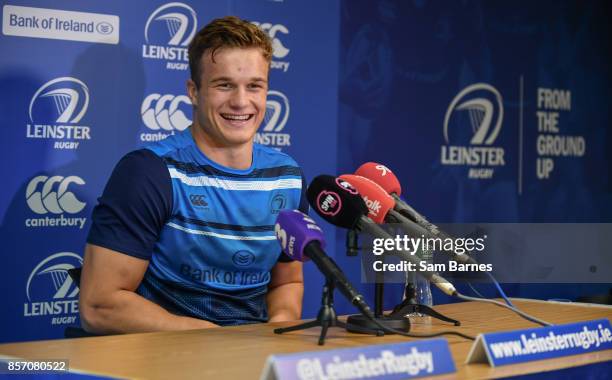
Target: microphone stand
396, 319
410, 306
326, 317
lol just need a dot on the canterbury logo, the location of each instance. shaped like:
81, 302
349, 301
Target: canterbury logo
163, 112
198, 200
278, 50
277, 112
54, 269
50, 195
70, 98
480, 108
177, 18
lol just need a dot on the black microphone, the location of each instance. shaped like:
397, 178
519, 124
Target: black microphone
340, 204
301, 239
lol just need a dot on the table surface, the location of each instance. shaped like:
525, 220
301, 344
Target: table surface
240, 352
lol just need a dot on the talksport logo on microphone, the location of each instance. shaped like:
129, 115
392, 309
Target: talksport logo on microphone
51, 293
279, 50
472, 124
164, 114
277, 113
56, 110
167, 32
52, 198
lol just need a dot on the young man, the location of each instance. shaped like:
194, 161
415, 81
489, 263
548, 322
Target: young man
183, 236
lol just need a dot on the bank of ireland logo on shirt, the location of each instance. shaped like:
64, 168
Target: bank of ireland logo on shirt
164, 114
167, 32
56, 111
243, 258
472, 124
52, 198
51, 292
277, 113
277, 33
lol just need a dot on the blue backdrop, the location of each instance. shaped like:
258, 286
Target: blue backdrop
487, 112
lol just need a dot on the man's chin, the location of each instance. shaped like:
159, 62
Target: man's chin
240, 140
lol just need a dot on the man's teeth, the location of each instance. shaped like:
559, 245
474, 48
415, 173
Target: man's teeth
236, 117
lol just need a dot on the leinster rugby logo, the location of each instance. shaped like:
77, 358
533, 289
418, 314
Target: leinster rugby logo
471, 126
50, 290
479, 102
56, 110
275, 119
168, 31
68, 97
278, 202
173, 24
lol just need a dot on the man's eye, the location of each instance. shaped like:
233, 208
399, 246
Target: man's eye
255, 86
224, 85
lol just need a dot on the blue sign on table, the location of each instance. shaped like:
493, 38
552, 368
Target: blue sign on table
511, 347
406, 360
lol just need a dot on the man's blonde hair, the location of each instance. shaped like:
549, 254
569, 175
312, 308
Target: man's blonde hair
226, 32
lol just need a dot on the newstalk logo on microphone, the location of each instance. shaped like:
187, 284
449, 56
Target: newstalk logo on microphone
471, 125
373, 206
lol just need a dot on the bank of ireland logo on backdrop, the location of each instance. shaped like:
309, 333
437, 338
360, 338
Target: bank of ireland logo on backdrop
60, 24
167, 33
472, 124
50, 291
271, 132
54, 203
164, 114
277, 33
56, 112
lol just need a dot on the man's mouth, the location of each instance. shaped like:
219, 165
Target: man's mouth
236, 117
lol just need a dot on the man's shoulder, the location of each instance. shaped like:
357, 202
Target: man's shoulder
269, 157
171, 143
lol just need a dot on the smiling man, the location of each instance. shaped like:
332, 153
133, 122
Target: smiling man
183, 235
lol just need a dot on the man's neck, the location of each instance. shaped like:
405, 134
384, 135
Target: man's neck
239, 157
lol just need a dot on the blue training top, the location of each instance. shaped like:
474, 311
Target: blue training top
207, 230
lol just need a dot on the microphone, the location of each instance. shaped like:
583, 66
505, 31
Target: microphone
301, 239
380, 204
339, 203
384, 177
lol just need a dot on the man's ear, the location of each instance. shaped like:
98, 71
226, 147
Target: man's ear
192, 92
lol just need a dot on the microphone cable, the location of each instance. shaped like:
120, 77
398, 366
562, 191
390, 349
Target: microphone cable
413, 335
500, 304
367, 312
500, 290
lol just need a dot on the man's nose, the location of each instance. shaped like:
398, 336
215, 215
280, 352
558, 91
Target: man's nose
239, 98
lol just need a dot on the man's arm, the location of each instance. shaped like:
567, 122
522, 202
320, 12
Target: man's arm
108, 303
285, 292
